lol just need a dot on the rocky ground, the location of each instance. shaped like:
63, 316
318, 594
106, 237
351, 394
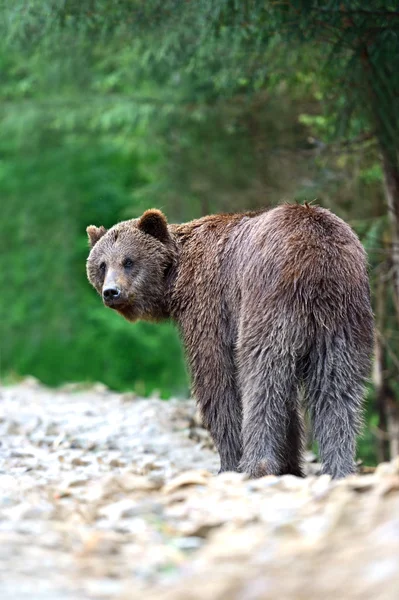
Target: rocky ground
105, 496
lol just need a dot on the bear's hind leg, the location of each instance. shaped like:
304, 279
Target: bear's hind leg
272, 429
334, 391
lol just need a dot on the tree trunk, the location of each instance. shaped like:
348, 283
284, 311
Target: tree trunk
393, 426
380, 367
391, 188
386, 131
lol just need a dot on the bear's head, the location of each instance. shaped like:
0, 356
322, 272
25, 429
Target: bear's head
128, 265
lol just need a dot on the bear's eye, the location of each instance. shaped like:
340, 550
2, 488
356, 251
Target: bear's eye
103, 266
128, 263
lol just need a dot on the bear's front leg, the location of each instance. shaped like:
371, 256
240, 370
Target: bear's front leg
215, 389
221, 415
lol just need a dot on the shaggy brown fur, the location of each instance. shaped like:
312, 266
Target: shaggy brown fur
267, 303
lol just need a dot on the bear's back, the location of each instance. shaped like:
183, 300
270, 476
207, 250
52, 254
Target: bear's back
298, 255
298, 237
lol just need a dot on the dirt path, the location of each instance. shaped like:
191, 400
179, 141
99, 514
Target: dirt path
104, 496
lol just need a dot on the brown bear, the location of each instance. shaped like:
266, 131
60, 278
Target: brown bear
271, 306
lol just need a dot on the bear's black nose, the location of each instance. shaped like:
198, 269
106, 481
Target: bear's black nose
111, 293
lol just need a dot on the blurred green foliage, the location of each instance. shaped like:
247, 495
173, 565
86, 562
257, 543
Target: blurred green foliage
55, 326
108, 108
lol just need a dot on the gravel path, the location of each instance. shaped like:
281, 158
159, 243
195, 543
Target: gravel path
105, 496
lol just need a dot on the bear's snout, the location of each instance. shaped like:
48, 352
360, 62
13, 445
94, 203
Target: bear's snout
112, 296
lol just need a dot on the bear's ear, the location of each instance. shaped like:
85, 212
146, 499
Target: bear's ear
154, 223
95, 233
